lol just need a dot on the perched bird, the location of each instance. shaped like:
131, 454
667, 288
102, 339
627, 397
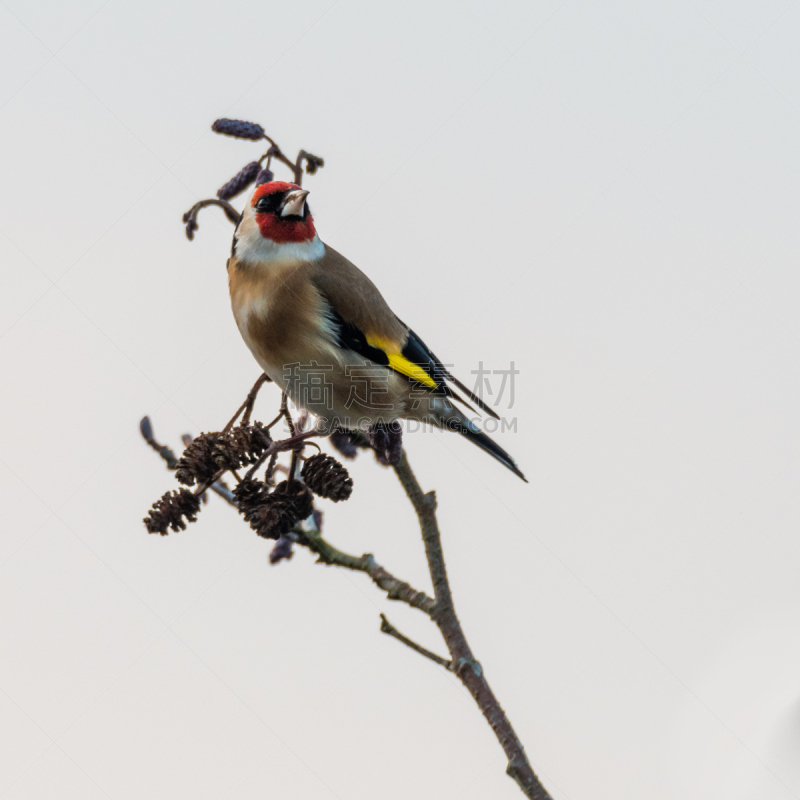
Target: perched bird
321, 330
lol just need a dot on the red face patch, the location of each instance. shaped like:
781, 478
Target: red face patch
271, 188
275, 227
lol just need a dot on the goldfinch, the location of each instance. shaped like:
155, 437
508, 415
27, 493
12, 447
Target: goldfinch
321, 330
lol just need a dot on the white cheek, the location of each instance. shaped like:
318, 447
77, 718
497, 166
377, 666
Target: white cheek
252, 247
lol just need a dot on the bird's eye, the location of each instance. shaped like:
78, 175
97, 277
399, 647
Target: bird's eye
270, 202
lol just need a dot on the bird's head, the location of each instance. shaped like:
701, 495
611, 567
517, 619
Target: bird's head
276, 226
282, 214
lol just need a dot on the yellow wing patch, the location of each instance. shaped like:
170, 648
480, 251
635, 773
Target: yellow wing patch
399, 363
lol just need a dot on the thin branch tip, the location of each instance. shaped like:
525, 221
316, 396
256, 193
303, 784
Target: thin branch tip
390, 630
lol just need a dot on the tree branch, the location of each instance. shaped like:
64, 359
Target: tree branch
312, 164
295, 166
439, 607
248, 404
171, 460
464, 663
390, 630
190, 217
327, 554
395, 588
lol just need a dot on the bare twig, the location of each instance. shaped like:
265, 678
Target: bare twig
146, 429
395, 588
312, 162
171, 459
190, 217
304, 160
440, 607
390, 630
225, 493
464, 664
295, 166
327, 553
248, 404
285, 413
270, 471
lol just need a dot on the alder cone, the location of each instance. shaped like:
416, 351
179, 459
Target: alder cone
327, 477
250, 494
273, 514
209, 453
169, 512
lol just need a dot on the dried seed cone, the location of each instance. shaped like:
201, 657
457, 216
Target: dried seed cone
238, 128
169, 512
202, 459
248, 442
325, 476
273, 514
250, 495
211, 452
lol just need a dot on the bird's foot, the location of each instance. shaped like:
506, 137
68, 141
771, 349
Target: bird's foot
386, 439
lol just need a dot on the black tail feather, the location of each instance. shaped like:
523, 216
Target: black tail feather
419, 353
472, 396
478, 437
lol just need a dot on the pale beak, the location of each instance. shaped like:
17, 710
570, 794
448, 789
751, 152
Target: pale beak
294, 204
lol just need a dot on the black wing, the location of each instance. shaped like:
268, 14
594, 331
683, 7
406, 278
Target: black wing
349, 336
420, 354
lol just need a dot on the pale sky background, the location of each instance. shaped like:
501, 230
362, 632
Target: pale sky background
606, 194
